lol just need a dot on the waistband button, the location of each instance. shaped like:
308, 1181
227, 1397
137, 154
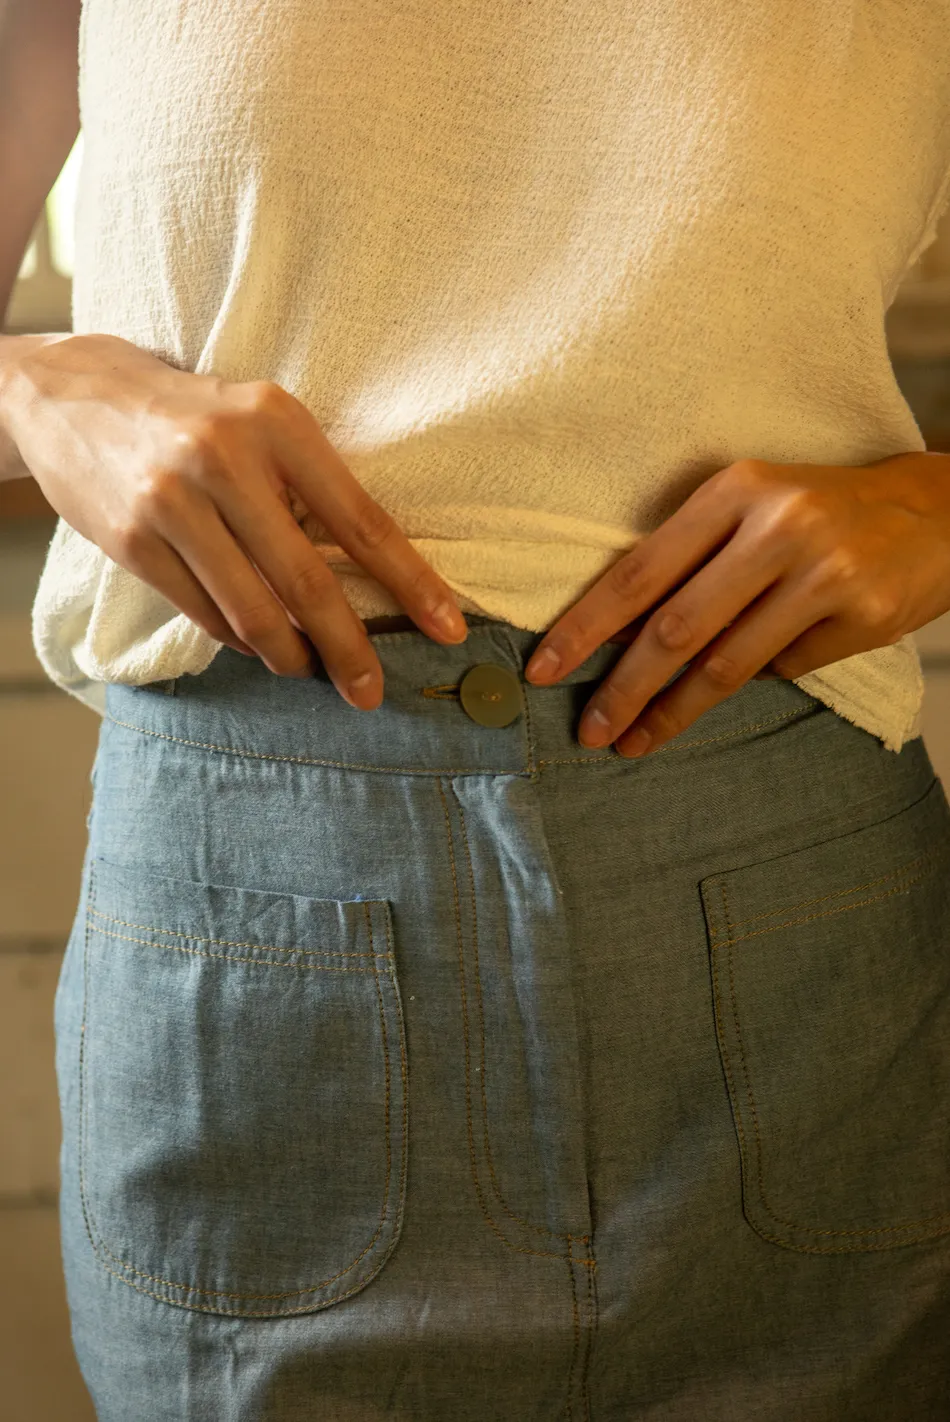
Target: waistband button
491, 694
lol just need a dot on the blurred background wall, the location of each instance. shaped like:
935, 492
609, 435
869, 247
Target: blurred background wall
47, 744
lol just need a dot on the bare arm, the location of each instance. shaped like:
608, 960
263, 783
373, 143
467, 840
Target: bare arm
39, 123
182, 479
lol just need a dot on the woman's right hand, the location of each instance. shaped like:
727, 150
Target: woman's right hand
183, 480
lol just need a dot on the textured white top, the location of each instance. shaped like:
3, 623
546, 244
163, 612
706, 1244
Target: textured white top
537, 269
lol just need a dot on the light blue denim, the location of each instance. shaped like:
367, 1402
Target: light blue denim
418, 1069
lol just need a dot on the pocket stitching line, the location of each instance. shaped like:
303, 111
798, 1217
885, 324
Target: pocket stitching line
587, 1259
852, 830
899, 888
496, 1189
227, 943
588, 1262
610, 757
676, 744
404, 1073
790, 1224
308, 759
97, 1241
519, 1249
232, 958
928, 855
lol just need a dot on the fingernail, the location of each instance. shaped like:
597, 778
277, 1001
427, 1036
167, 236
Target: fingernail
543, 664
594, 728
358, 686
449, 620
637, 742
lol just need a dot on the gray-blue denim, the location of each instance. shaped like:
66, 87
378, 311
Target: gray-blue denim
416, 1068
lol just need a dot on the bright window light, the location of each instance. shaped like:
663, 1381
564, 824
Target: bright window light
28, 265
60, 209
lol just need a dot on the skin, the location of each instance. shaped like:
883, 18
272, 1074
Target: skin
785, 567
184, 480
181, 478
765, 569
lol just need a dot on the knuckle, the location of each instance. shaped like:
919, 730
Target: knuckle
309, 582
615, 700
750, 475
625, 577
202, 441
256, 622
672, 630
840, 566
422, 587
197, 449
131, 542
197, 440
804, 510
578, 632
266, 397
876, 609
161, 495
372, 525
723, 671
217, 478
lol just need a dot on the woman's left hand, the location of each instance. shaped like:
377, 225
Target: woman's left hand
782, 566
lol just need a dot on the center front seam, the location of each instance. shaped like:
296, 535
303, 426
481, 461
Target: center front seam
581, 1265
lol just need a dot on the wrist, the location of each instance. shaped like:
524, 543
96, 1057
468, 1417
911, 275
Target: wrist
922, 479
12, 350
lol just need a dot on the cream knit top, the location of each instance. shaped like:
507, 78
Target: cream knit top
537, 267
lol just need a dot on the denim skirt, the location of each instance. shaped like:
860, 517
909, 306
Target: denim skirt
412, 1067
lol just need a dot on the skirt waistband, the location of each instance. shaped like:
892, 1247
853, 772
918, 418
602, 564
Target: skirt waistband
238, 706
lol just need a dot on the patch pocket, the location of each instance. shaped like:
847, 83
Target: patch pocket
242, 1092
831, 984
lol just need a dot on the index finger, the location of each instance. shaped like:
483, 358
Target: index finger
640, 580
360, 525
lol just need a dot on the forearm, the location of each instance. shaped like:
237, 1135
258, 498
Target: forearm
12, 348
39, 117
921, 479
39, 121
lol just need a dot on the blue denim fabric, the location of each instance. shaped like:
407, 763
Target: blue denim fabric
416, 1069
